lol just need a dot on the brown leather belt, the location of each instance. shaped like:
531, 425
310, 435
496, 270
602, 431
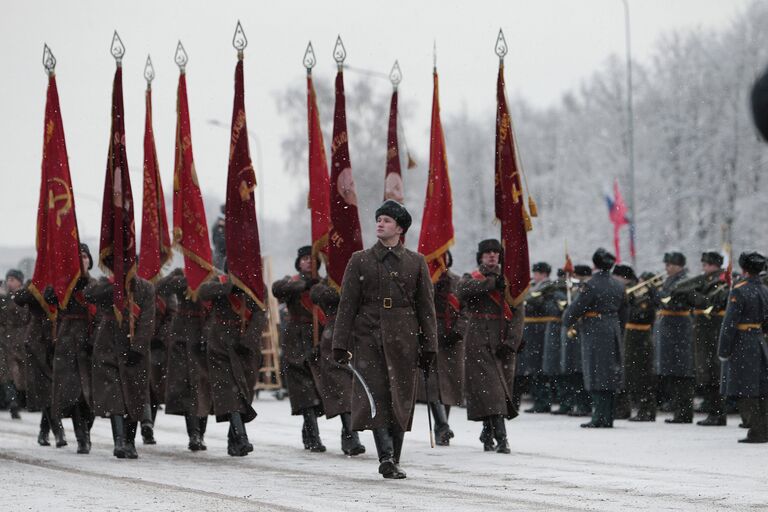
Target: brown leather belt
592, 314
704, 312
485, 316
638, 327
666, 312
191, 313
749, 327
541, 319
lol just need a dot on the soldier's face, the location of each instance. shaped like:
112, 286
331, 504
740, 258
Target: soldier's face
305, 264
672, 270
13, 284
708, 267
539, 277
85, 260
490, 258
387, 228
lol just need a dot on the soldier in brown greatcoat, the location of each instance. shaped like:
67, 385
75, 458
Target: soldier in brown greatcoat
121, 362
232, 334
165, 311
72, 359
335, 384
445, 384
38, 365
386, 320
187, 385
15, 320
298, 347
492, 338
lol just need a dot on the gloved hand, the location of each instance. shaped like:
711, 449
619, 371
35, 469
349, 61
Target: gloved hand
241, 350
453, 337
500, 283
315, 356
427, 361
341, 356
132, 358
503, 351
310, 282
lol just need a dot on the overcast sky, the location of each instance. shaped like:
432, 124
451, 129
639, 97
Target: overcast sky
554, 44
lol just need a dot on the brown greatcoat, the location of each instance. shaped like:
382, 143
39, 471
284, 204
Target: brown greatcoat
298, 343
386, 318
38, 337
336, 382
120, 387
187, 384
16, 318
72, 353
489, 373
165, 311
233, 343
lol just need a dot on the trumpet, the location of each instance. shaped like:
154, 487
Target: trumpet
643, 287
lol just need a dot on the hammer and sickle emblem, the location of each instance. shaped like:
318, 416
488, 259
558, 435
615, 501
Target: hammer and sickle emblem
66, 197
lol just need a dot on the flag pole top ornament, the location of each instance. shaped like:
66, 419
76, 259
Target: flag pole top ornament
117, 49
501, 46
239, 41
434, 55
181, 57
149, 71
396, 75
49, 61
309, 58
339, 52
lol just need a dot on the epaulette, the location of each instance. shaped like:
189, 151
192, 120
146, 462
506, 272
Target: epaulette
739, 285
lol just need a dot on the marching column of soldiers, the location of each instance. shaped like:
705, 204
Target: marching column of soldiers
597, 341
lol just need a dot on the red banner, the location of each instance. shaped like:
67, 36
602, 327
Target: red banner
155, 241
509, 204
393, 178
58, 252
318, 200
345, 237
117, 250
437, 221
190, 229
241, 228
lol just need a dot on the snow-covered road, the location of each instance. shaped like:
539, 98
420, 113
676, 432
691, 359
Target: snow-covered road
555, 465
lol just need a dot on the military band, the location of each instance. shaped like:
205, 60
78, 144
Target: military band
593, 340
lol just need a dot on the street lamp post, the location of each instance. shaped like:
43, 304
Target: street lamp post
630, 130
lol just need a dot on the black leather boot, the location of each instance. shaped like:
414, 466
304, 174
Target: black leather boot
500, 434
130, 439
13, 400
81, 431
118, 436
756, 411
238, 442
202, 421
398, 436
58, 431
45, 428
147, 426
443, 432
193, 431
350, 441
313, 431
386, 452
486, 436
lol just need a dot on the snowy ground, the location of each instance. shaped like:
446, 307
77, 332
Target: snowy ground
555, 465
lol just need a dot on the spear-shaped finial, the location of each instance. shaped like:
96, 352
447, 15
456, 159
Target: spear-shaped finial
339, 52
149, 71
501, 46
49, 61
395, 76
181, 57
434, 55
117, 49
309, 58
239, 41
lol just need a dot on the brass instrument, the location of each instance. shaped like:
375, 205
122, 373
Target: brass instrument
643, 287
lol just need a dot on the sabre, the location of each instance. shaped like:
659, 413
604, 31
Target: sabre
362, 382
